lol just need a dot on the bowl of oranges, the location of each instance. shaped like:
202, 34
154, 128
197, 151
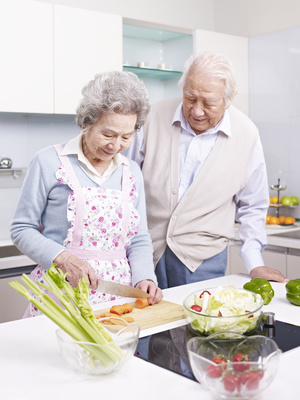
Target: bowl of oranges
280, 220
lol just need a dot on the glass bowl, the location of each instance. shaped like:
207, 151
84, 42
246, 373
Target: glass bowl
234, 379
225, 318
97, 359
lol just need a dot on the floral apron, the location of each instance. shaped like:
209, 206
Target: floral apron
103, 222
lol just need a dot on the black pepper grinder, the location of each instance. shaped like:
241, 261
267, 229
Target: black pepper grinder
268, 320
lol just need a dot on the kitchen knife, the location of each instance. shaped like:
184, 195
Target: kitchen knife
120, 290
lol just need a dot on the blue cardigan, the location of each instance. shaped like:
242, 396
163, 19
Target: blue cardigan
44, 199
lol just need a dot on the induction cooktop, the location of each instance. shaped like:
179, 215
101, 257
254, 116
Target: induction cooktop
167, 349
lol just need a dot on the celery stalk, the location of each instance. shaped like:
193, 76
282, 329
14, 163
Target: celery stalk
77, 319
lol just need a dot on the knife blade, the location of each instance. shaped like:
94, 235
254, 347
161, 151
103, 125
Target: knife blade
120, 290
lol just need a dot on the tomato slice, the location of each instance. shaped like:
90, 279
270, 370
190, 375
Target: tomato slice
197, 308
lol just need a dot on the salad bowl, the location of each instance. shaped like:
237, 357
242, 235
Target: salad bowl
234, 366
222, 309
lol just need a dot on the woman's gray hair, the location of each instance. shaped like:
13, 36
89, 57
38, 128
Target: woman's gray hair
215, 66
113, 92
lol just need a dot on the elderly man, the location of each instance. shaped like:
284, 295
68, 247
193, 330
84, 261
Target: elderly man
204, 168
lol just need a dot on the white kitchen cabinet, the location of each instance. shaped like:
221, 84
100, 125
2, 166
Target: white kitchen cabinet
85, 43
49, 52
236, 49
293, 266
12, 305
235, 263
26, 47
274, 257
163, 52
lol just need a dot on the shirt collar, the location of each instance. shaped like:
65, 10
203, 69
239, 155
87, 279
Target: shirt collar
223, 125
74, 147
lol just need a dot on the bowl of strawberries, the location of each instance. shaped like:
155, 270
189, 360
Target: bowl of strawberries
232, 365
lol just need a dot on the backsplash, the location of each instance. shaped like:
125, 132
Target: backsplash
21, 136
274, 106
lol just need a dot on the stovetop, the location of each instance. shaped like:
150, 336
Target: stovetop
167, 349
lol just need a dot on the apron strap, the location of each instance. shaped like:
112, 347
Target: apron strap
125, 200
65, 161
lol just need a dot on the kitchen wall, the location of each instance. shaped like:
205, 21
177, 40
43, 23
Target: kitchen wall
255, 17
274, 104
21, 136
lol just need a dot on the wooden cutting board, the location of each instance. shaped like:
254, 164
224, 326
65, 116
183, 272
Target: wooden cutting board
154, 315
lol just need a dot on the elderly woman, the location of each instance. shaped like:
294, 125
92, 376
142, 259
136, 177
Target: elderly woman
82, 204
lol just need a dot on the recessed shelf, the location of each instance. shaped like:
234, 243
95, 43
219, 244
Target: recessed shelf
153, 73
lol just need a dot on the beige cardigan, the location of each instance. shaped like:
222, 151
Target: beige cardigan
202, 223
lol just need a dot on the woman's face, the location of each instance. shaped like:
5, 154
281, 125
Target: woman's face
110, 135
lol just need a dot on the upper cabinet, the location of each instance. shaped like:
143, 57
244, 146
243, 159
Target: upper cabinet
49, 52
26, 48
85, 43
157, 55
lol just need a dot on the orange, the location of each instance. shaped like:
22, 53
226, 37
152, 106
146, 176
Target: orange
275, 200
274, 221
268, 219
281, 219
289, 221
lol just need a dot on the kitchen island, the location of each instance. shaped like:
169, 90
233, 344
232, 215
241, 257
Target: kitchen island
32, 368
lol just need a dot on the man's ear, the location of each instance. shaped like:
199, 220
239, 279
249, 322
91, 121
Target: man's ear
228, 104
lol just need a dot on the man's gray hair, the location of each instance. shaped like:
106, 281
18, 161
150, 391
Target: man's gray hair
214, 66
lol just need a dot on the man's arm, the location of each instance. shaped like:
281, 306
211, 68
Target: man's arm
252, 205
136, 149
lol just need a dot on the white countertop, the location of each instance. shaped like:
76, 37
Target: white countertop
33, 369
280, 241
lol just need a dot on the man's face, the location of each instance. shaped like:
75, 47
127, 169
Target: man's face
203, 102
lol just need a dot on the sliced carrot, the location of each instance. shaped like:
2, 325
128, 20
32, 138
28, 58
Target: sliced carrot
107, 314
119, 310
116, 321
128, 319
141, 303
128, 307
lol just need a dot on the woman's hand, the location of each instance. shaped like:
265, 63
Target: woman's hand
76, 269
155, 293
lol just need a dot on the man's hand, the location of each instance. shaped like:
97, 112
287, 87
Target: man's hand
268, 273
155, 293
76, 269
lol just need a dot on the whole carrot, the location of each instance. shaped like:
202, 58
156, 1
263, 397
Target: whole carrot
142, 303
